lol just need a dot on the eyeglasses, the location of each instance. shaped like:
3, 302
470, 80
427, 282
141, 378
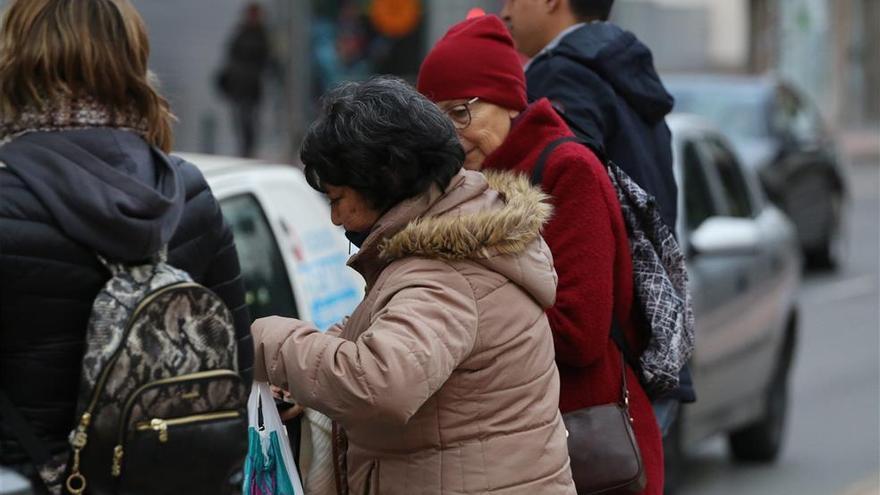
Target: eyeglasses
461, 114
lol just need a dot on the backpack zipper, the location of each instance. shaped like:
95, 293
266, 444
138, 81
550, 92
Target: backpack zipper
76, 482
161, 426
118, 450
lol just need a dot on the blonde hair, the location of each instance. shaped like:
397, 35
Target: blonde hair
53, 50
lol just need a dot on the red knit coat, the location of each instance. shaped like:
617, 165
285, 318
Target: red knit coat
588, 239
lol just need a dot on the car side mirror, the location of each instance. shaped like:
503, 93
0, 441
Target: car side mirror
725, 236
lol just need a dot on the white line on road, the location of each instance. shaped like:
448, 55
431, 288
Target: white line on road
842, 290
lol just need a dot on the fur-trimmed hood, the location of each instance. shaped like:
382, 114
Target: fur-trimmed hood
481, 234
494, 220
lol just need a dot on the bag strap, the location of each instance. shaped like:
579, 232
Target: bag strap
538, 171
626, 356
22, 431
616, 332
620, 340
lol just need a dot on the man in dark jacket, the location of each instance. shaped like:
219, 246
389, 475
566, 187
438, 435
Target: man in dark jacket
602, 80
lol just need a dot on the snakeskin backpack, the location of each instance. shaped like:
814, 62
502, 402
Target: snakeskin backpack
161, 406
659, 278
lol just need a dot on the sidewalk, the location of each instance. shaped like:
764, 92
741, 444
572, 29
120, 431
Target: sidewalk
861, 145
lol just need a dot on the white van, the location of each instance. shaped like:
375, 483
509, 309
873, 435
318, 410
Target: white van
292, 257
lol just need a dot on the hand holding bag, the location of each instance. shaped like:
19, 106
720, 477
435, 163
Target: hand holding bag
269, 468
602, 448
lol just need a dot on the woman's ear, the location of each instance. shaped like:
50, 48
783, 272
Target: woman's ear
513, 114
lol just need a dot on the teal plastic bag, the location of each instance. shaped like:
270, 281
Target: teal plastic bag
269, 468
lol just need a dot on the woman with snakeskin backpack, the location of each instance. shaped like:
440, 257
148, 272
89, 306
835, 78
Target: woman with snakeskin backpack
85, 172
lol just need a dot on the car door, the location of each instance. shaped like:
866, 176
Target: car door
721, 271
751, 350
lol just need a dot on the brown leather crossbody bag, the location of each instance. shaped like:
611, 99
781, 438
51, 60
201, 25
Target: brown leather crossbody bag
602, 447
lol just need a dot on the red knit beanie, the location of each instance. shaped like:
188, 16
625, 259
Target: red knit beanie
475, 58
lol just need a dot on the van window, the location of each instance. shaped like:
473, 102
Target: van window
267, 286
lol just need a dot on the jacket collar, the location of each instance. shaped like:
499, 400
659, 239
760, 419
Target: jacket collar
368, 260
553, 43
477, 216
505, 223
530, 133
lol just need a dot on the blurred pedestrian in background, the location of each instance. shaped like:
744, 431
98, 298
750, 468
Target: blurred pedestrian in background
475, 76
602, 81
443, 378
248, 59
85, 171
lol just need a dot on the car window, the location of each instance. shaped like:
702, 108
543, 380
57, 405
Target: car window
741, 110
267, 286
699, 204
733, 184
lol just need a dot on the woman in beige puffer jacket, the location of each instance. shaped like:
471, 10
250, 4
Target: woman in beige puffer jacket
443, 380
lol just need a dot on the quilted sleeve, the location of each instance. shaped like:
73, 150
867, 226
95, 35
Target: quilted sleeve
423, 326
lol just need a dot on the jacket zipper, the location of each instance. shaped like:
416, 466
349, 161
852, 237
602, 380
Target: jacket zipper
202, 375
76, 482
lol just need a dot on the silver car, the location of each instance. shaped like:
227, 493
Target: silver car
778, 133
743, 262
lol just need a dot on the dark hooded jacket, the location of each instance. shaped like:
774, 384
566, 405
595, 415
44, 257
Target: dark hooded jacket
65, 196
602, 81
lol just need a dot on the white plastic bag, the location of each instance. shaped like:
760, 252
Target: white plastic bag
269, 467
316, 454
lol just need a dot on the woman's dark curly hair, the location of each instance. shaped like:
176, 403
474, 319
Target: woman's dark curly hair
383, 139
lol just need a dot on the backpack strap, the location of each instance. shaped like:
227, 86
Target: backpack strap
23, 432
116, 268
538, 171
537, 178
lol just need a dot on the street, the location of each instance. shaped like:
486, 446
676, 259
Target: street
833, 437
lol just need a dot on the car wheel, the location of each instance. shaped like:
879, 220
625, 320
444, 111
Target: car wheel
673, 457
832, 252
762, 440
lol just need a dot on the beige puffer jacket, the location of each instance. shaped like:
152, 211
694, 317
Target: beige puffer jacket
443, 378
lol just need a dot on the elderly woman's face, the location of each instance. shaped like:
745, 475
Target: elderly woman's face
350, 209
481, 127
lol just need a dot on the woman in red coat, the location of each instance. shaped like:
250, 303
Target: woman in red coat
474, 74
